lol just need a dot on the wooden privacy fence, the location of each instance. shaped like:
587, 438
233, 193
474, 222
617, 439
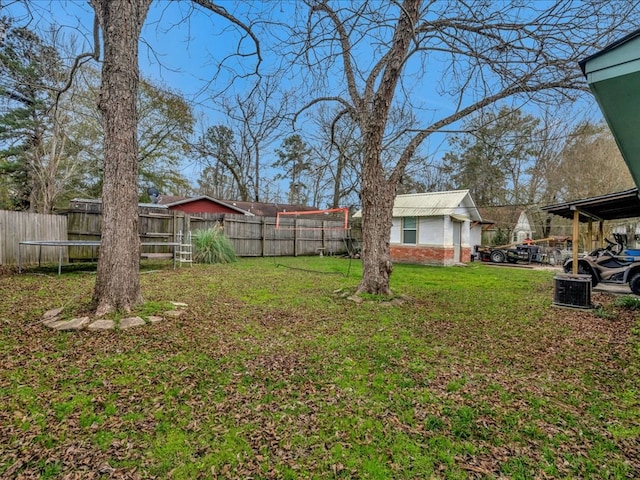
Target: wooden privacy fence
155, 224
250, 236
16, 227
259, 237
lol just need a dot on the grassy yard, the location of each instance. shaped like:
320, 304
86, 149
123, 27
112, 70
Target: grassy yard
272, 373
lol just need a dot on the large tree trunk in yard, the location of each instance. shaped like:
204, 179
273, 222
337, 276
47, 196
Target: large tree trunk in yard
118, 284
377, 195
378, 192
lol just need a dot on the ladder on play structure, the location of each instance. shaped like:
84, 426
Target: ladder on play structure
185, 252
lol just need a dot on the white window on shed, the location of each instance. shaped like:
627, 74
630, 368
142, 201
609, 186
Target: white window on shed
409, 230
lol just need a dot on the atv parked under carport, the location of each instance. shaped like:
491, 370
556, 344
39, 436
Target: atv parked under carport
609, 265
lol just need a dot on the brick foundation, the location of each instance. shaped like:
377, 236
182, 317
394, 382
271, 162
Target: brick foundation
425, 255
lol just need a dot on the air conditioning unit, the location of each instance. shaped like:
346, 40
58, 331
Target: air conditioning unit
572, 291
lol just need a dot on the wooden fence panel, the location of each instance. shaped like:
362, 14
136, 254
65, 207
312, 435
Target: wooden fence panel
281, 241
16, 227
161, 226
204, 221
246, 234
84, 224
154, 225
250, 236
308, 237
258, 236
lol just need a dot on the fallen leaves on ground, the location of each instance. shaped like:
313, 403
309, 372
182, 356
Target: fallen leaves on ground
333, 390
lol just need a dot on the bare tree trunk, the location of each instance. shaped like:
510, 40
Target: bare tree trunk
118, 283
337, 185
377, 192
256, 183
377, 195
546, 229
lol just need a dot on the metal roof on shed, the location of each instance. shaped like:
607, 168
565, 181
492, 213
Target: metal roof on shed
435, 204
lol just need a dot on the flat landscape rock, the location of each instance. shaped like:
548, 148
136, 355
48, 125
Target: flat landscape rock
131, 322
48, 315
51, 322
73, 324
101, 325
51, 319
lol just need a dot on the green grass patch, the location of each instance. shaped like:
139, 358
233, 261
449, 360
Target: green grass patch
273, 373
629, 302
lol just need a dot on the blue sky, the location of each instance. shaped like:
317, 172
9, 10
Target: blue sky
177, 49
180, 51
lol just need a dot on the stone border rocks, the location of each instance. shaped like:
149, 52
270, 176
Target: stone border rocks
52, 319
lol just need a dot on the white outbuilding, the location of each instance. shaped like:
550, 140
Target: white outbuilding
435, 228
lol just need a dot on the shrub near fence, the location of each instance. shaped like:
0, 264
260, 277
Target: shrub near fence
16, 227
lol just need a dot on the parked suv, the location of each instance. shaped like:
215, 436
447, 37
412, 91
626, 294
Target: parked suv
609, 265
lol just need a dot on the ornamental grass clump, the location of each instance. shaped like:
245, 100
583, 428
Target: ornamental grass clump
212, 246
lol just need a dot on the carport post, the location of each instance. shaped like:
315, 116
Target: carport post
576, 233
601, 233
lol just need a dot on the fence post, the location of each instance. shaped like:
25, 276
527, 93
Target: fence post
173, 226
323, 237
295, 237
263, 233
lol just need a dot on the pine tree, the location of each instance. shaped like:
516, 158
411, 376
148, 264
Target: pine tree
29, 70
294, 158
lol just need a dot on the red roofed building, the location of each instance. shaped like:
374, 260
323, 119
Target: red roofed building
201, 204
205, 204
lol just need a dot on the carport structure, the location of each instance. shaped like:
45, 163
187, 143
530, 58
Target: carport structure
612, 206
613, 75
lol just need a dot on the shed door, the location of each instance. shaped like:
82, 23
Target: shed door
457, 240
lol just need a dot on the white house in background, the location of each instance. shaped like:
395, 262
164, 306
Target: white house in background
436, 228
512, 222
523, 229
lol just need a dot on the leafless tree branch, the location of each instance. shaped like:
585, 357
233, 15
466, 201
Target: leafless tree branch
221, 11
82, 59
